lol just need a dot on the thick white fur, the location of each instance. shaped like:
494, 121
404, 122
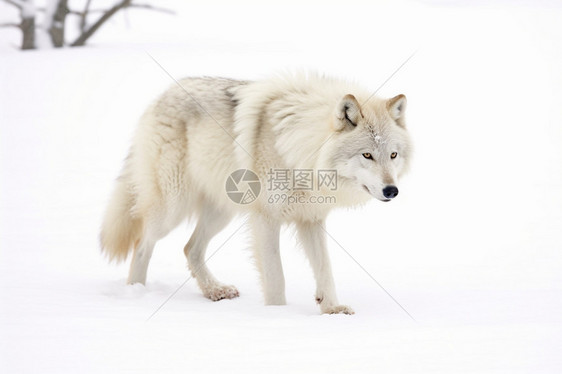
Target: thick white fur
193, 137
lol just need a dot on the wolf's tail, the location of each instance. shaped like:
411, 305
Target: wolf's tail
121, 229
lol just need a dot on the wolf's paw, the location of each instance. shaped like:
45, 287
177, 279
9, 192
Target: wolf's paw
220, 292
338, 309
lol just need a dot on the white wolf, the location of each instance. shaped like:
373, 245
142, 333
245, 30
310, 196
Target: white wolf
202, 130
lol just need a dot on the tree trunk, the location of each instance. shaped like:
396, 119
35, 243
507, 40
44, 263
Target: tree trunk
57, 24
28, 30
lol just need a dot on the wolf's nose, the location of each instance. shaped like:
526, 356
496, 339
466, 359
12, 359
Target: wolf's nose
390, 192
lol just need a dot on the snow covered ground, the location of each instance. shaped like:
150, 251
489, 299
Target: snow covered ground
472, 247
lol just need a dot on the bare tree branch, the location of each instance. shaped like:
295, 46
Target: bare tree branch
56, 19
87, 32
90, 11
81, 12
151, 7
10, 25
81, 40
84, 16
15, 3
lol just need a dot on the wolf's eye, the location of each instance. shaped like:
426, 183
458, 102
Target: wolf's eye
368, 156
393, 155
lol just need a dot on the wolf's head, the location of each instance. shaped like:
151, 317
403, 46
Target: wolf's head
370, 146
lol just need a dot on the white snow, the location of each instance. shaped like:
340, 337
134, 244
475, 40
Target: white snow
472, 247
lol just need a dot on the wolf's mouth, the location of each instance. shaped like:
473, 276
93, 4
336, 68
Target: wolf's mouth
373, 195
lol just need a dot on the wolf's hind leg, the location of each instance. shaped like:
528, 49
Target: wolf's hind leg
156, 226
210, 222
141, 257
313, 239
265, 234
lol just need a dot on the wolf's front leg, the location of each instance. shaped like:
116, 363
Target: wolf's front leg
265, 232
313, 239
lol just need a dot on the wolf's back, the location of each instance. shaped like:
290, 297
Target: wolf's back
155, 174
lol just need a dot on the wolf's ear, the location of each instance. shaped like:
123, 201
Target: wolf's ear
348, 113
396, 107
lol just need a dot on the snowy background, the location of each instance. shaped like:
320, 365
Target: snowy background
472, 247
